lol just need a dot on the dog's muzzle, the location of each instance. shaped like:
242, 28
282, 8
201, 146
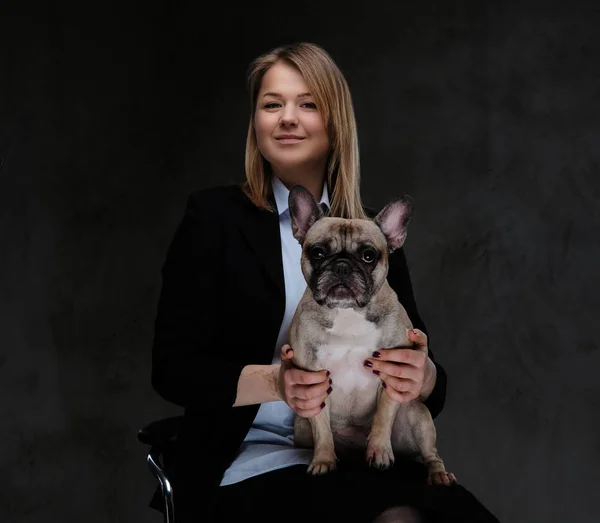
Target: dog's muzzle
341, 269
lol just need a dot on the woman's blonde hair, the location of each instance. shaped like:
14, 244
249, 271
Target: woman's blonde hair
332, 95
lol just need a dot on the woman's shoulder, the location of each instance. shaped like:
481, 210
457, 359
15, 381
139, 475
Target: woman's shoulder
224, 200
216, 195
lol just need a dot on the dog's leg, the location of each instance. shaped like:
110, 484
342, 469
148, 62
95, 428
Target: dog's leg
422, 430
303, 437
379, 443
324, 459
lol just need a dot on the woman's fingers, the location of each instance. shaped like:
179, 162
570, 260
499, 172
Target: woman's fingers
309, 397
398, 389
309, 392
308, 400
399, 370
309, 404
302, 377
305, 391
407, 356
311, 413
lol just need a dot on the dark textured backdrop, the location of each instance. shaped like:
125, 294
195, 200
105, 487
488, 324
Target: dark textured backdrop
487, 113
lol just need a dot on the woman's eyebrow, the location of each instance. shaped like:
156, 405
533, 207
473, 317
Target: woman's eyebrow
279, 95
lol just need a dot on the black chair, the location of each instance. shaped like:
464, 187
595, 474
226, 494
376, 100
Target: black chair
161, 436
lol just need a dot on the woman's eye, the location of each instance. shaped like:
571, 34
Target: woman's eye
368, 255
318, 253
275, 105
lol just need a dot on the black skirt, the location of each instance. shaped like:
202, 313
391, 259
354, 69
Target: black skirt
354, 492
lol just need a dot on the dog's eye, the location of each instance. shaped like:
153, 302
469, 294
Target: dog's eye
317, 253
368, 255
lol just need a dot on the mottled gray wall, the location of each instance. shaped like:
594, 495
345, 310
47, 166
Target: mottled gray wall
487, 113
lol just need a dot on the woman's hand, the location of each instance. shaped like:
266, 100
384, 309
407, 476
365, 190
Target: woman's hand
407, 373
305, 392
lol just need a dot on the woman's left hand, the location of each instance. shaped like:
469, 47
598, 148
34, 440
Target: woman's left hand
403, 370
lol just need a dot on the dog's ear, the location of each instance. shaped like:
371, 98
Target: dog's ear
304, 211
393, 220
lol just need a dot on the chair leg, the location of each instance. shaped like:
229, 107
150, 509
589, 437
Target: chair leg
165, 486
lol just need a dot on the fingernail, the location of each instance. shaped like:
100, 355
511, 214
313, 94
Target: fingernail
367, 363
288, 350
330, 382
329, 390
384, 384
376, 354
376, 372
322, 404
328, 374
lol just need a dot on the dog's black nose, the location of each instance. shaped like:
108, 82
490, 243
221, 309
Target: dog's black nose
341, 269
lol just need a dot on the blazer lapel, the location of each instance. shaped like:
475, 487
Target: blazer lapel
260, 228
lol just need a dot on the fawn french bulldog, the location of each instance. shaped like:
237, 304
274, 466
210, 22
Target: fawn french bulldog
347, 312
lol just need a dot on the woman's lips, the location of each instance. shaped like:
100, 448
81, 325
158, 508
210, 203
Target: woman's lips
289, 140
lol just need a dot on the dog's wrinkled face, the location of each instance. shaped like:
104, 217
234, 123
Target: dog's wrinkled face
345, 262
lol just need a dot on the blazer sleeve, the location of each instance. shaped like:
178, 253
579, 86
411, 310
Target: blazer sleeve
189, 356
399, 280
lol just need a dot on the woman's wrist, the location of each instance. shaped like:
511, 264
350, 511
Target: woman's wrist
258, 384
273, 380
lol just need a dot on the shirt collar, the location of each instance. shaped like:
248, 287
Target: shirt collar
282, 193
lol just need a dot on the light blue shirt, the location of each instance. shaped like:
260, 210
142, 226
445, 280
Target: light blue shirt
269, 444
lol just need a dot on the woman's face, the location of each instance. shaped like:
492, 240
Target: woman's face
286, 108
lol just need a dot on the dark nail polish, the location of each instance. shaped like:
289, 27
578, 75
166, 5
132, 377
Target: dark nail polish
288, 350
330, 382
367, 363
384, 384
329, 390
328, 374
376, 354
376, 372
322, 404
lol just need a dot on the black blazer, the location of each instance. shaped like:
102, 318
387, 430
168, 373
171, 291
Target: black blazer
220, 308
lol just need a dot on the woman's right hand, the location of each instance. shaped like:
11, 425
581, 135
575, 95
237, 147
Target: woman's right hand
304, 391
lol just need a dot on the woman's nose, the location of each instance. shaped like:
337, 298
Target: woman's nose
289, 115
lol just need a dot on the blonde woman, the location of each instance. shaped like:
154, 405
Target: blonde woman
230, 284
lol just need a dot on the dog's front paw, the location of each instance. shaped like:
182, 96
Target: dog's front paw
441, 477
380, 455
322, 465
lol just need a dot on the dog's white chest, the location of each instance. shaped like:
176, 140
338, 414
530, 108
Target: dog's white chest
349, 341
